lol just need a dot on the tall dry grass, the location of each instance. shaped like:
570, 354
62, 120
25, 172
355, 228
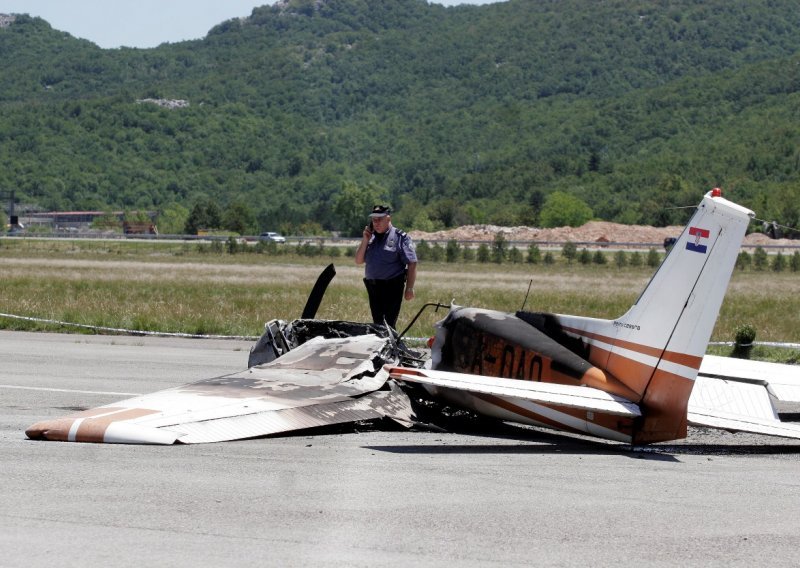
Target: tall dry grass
174, 289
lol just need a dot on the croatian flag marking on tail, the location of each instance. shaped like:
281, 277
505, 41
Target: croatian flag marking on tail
698, 234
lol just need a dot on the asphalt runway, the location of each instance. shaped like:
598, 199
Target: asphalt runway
362, 496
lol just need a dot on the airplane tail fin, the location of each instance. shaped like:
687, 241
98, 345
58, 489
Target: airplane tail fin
656, 347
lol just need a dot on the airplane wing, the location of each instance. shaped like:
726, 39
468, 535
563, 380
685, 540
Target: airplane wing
740, 395
321, 382
577, 397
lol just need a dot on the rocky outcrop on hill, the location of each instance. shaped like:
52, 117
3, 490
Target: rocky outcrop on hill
6, 20
166, 103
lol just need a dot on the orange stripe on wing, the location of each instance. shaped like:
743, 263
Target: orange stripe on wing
94, 429
616, 423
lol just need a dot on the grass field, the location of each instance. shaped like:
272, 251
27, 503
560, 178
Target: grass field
174, 288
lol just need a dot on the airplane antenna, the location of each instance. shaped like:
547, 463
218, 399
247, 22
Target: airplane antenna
525, 301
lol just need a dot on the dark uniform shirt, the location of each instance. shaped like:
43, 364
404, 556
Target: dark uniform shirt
389, 254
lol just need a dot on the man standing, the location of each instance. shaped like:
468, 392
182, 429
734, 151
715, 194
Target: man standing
391, 265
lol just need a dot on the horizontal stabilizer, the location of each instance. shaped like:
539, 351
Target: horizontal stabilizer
579, 397
737, 423
737, 406
782, 381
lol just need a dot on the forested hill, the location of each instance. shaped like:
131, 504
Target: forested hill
519, 112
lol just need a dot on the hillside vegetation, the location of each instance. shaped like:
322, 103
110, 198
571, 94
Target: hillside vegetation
302, 115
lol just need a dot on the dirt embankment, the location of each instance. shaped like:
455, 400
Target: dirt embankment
591, 232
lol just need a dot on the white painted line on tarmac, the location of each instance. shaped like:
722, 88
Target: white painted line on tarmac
69, 390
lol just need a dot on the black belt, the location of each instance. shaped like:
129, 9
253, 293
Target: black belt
377, 280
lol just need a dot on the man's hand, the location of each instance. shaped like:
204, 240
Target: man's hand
409, 295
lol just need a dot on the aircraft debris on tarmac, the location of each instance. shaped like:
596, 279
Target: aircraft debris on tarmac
640, 378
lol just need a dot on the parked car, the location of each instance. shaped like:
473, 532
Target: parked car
272, 237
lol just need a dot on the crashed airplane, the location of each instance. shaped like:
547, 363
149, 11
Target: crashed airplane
640, 378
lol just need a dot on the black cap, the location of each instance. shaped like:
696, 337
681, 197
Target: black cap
381, 211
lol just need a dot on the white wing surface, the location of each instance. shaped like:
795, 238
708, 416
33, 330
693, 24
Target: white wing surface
321, 382
578, 397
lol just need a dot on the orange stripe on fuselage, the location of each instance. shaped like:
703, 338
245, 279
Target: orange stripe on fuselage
691, 361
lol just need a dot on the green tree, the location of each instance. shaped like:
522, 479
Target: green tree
452, 251
653, 258
549, 258
562, 209
437, 253
423, 250
794, 263
620, 259
569, 251
636, 259
469, 254
353, 205
172, 219
499, 248
483, 254
204, 215
778, 263
585, 257
743, 260
514, 255
760, 259
534, 254
240, 218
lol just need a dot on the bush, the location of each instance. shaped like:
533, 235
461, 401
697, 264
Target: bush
569, 251
499, 247
744, 260
745, 335
469, 254
483, 253
620, 259
653, 258
549, 258
778, 263
452, 251
423, 250
760, 259
794, 263
437, 253
534, 254
514, 255
599, 257
585, 257
636, 259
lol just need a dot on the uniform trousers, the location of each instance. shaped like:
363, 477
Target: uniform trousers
385, 298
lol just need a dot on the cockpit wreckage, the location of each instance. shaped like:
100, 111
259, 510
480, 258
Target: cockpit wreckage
638, 379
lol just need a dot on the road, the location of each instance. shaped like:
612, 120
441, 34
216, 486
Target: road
362, 497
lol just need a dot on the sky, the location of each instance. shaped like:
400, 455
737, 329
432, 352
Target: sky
144, 23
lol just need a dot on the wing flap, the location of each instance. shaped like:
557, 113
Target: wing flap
579, 397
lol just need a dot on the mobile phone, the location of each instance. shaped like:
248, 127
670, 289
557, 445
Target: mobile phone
371, 227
